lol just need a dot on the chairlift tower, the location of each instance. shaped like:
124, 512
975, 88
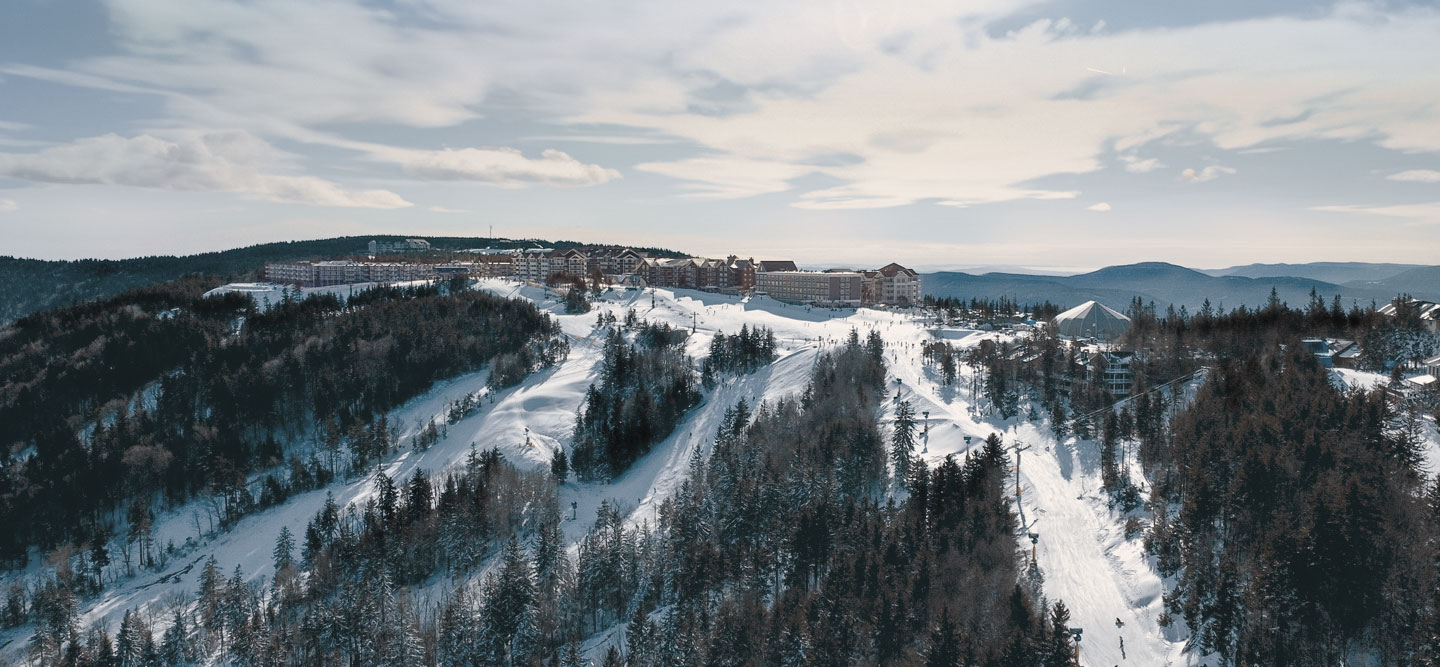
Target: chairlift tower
1018, 447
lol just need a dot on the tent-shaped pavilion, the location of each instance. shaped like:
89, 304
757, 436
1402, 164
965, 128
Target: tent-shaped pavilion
1092, 319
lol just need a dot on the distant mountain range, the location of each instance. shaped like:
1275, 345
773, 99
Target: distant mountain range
1169, 284
1340, 273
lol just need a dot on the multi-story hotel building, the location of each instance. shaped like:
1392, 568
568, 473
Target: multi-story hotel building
833, 288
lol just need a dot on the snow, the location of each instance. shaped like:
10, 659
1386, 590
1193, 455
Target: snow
269, 294
1083, 553
1349, 378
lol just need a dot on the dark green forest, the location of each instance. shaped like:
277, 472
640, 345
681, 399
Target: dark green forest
1296, 519
158, 395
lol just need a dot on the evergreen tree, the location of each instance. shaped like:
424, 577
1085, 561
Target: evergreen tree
944, 644
902, 443
559, 466
175, 646
1060, 652
284, 549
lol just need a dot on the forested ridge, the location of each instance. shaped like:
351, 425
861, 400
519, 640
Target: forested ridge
118, 408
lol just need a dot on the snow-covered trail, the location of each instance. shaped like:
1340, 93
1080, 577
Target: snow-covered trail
1086, 560
1082, 551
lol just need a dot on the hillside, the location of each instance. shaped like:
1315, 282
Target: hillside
1164, 284
1420, 282
1102, 572
1086, 555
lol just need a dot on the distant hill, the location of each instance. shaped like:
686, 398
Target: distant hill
1421, 282
1340, 273
1165, 284
33, 285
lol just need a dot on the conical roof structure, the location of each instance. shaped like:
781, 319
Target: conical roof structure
1092, 319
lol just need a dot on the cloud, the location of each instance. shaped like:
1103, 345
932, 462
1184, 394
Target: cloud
1205, 175
1416, 176
995, 122
1418, 214
1137, 165
726, 177
442, 209
9, 206
936, 105
505, 167
618, 140
1100, 207
217, 162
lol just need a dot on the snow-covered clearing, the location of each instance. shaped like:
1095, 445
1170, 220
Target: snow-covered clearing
1083, 553
1349, 378
270, 294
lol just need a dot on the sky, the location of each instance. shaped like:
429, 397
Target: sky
1052, 134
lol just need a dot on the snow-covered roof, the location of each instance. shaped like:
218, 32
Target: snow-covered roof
1092, 319
1428, 310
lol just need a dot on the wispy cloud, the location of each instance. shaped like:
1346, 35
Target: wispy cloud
787, 91
9, 206
1206, 174
1418, 214
442, 209
1100, 207
220, 162
1416, 176
1138, 165
613, 139
728, 177
504, 167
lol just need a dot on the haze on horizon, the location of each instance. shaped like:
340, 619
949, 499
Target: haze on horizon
1049, 133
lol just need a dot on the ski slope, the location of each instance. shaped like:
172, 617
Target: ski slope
1082, 552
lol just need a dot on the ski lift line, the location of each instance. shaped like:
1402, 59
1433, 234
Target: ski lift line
1111, 408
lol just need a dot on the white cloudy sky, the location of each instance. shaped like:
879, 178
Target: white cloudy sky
1053, 133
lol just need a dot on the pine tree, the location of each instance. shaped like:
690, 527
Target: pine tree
1109, 471
211, 584
175, 644
559, 466
284, 550
944, 644
525, 647
412, 653
902, 444
130, 643
571, 657
1060, 652
641, 641
457, 625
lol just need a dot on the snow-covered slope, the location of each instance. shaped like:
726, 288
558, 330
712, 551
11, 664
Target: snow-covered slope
270, 294
1086, 559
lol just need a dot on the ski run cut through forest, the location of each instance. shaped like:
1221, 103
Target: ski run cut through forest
1071, 541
